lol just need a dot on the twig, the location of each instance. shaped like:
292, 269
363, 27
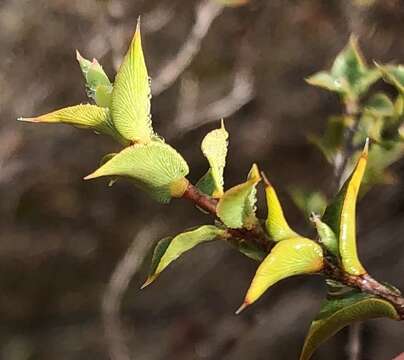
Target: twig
206, 12
364, 283
120, 279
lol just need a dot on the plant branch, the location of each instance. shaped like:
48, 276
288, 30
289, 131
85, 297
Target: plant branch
365, 282
255, 236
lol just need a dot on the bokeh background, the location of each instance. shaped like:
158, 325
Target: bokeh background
61, 237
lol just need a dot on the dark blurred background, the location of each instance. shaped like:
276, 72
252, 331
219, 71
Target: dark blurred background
61, 237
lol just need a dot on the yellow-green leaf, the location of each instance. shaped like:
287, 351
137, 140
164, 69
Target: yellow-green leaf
326, 235
214, 147
82, 116
154, 167
340, 215
98, 86
206, 183
349, 74
169, 249
276, 224
290, 257
326, 81
131, 95
337, 313
236, 208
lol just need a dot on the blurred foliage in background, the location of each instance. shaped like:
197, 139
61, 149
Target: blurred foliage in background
61, 237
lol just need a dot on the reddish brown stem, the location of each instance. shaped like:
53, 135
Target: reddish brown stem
209, 204
364, 283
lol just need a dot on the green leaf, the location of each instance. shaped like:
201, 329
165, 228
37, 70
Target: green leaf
206, 183
236, 208
326, 81
131, 95
82, 116
349, 74
155, 167
326, 235
338, 313
308, 201
380, 105
99, 88
340, 215
294, 256
214, 147
393, 74
251, 251
169, 249
276, 224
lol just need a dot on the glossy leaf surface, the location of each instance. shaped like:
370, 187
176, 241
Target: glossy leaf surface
340, 215
236, 208
131, 95
170, 249
337, 313
290, 257
154, 167
326, 235
276, 224
214, 147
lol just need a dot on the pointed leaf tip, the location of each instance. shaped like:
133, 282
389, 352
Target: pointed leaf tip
214, 148
276, 223
242, 308
148, 281
294, 256
236, 208
169, 249
131, 95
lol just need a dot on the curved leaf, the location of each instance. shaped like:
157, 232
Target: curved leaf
236, 208
214, 147
99, 88
131, 95
155, 167
82, 116
169, 249
206, 183
338, 313
393, 74
289, 257
340, 215
276, 224
349, 74
326, 235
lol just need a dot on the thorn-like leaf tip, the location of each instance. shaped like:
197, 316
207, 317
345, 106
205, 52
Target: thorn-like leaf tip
266, 181
78, 55
242, 307
90, 176
366, 148
27, 119
147, 282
